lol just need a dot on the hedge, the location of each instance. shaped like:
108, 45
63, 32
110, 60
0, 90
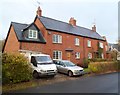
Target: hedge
15, 69
101, 67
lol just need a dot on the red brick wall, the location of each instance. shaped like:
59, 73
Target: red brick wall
12, 44
68, 41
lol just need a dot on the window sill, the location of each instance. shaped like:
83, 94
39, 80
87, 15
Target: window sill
77, 58
57, 43
77, 45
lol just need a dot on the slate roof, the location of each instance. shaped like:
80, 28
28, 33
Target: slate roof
64, 27
113, 46
19, 29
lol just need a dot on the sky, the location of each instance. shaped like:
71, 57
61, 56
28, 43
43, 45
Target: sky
104, 13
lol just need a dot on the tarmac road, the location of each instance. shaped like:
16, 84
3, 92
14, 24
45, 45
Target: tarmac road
106, 83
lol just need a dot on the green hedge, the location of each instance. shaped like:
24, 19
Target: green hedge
15, 68
87, 61
101, 67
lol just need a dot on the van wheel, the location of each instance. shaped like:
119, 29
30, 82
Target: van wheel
35, 74
70, 73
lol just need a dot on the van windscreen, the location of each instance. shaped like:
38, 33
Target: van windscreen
43, 58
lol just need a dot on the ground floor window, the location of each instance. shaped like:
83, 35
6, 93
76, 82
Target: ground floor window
57, 55
102, 56
77, 55
89, 55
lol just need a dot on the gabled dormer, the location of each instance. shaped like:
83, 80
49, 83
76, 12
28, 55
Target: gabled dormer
32, 33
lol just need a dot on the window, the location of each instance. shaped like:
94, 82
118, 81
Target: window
32, 34
77, 42
57, 55
77, 55
89, 55
57, 38
102, 56
106, 47
89, 43
101, 45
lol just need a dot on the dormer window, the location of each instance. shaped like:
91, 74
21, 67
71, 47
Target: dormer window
32, 34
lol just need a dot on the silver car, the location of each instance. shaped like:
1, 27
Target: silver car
67, 67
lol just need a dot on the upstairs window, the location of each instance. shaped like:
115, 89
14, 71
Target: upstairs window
89, 43
101, 44
57, 38
32, 34
106, 47
77, 42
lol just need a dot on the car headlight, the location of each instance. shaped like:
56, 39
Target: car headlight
76, 70
43, 70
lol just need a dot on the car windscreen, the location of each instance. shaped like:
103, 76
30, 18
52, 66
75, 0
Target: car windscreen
69, 64
43, 59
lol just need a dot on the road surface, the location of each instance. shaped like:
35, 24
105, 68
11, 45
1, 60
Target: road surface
106, 83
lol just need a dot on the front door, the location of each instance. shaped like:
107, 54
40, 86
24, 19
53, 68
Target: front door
68, 55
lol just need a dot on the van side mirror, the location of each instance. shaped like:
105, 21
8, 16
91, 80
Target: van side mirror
33, 61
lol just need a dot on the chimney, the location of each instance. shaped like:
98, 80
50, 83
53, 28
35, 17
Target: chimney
72, 21
39, 11
104, 37
94, 28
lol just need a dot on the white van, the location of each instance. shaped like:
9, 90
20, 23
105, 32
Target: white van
42, 65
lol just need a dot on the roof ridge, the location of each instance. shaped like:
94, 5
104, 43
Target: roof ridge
55, 19
65, 22
19, 23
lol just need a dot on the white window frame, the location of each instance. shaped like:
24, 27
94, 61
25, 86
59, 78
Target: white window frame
106, 47
77, 42
55, 56
89, 43
89, 55
57, 38
77, 55
31, 34
102, 55
101, 44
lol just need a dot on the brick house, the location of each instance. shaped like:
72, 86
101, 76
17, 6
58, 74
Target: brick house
59, 39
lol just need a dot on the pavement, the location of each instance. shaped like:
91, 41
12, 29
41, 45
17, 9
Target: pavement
105, 83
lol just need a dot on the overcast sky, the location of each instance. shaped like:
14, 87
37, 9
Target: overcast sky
103, 12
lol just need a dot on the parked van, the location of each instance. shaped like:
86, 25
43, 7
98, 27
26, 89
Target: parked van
42, 65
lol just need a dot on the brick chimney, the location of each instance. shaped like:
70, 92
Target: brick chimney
104, 37
72, 21
39, 11
94, 28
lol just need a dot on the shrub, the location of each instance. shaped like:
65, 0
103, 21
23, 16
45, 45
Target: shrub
97, 60
101, 67
85, 63
15, 68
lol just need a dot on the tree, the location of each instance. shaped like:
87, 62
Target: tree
1, 44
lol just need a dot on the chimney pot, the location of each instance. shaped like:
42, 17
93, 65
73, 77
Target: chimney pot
72, 21
94, 28
39, 11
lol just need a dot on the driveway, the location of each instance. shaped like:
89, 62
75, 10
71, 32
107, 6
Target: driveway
107, 83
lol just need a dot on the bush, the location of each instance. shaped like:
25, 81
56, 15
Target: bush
85, 63
97, 60
101, 67
15, 68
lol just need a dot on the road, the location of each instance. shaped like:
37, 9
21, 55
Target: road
107, 83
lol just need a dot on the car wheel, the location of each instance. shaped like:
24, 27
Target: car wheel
35, 74
70, 73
